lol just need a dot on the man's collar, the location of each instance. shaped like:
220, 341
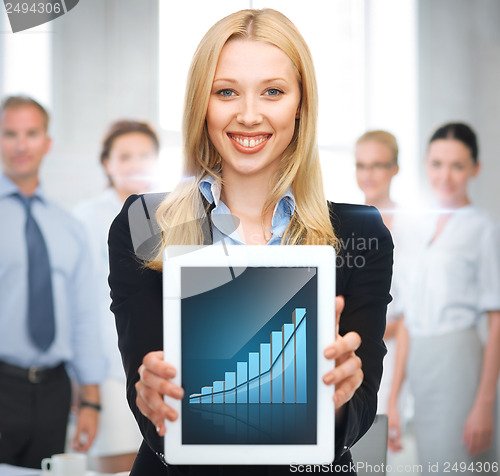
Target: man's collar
9, 187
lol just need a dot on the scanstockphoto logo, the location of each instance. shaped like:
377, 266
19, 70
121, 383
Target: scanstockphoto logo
29, 13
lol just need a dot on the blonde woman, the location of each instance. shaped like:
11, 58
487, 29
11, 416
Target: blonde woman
250, 150
376, 154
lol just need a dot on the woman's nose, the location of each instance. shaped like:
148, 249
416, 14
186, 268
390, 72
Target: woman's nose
248, 113
446, 174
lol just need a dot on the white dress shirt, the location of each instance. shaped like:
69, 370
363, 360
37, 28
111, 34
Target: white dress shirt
454, 279
395, 309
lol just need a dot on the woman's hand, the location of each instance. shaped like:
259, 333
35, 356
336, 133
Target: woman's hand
478, 431
347, 375
153, 385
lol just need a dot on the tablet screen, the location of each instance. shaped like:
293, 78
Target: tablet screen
249, 356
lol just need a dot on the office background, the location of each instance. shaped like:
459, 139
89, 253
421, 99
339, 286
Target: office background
401, 65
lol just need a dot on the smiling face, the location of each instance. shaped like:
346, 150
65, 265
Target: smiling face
131, 163
23, 142
253, 108
375, 168
449, 167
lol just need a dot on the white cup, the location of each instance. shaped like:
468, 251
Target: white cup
65, 464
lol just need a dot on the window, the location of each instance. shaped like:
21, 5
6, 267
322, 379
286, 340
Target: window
24, 56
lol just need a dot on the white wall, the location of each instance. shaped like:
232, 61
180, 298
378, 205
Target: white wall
105, 67
391, 85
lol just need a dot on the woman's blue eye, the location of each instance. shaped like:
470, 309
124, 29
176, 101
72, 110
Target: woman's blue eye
273, 92
225, 93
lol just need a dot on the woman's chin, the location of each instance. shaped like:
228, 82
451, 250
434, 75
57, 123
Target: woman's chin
451, 201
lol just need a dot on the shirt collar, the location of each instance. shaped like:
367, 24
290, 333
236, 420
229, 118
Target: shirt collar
210, 189
285, 205
8, 187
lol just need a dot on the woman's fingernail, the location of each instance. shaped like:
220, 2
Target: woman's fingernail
158, 429
170, 373
330, 353
178, 392
328, 379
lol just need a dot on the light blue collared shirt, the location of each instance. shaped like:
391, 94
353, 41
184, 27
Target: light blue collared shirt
282, 214
77, 340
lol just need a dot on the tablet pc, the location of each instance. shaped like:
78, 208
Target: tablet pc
246, 327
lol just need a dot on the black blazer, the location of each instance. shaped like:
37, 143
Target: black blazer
364, 270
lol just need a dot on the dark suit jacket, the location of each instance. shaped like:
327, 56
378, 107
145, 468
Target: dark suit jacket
364, 270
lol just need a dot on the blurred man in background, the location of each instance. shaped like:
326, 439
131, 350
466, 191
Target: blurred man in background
47, 314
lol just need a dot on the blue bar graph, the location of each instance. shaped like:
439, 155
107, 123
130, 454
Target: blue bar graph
288, 363
253, 377
195, 398
219, 387
241, 382
230, 382
208, 392
275, 374
300, 357
265, 379
277, 370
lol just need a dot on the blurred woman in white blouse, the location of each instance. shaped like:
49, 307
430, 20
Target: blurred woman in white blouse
454, 281
129, 156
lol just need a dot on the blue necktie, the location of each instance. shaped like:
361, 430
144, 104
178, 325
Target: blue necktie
41, 323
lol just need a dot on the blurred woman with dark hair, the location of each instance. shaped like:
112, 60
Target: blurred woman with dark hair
455, 280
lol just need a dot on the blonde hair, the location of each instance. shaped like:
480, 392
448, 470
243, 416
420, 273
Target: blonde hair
382, 137
179, 214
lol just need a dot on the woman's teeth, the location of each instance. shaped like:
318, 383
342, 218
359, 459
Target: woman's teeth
249, 143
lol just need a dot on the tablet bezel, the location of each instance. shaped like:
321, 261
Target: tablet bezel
320, 257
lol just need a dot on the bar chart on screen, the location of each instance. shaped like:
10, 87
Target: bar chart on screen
275, 373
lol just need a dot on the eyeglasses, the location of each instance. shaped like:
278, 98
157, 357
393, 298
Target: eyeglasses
376, 166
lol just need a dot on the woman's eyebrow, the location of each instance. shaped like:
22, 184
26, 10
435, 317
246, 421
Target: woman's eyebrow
232, 80
273, 80
226, 80
264, 81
